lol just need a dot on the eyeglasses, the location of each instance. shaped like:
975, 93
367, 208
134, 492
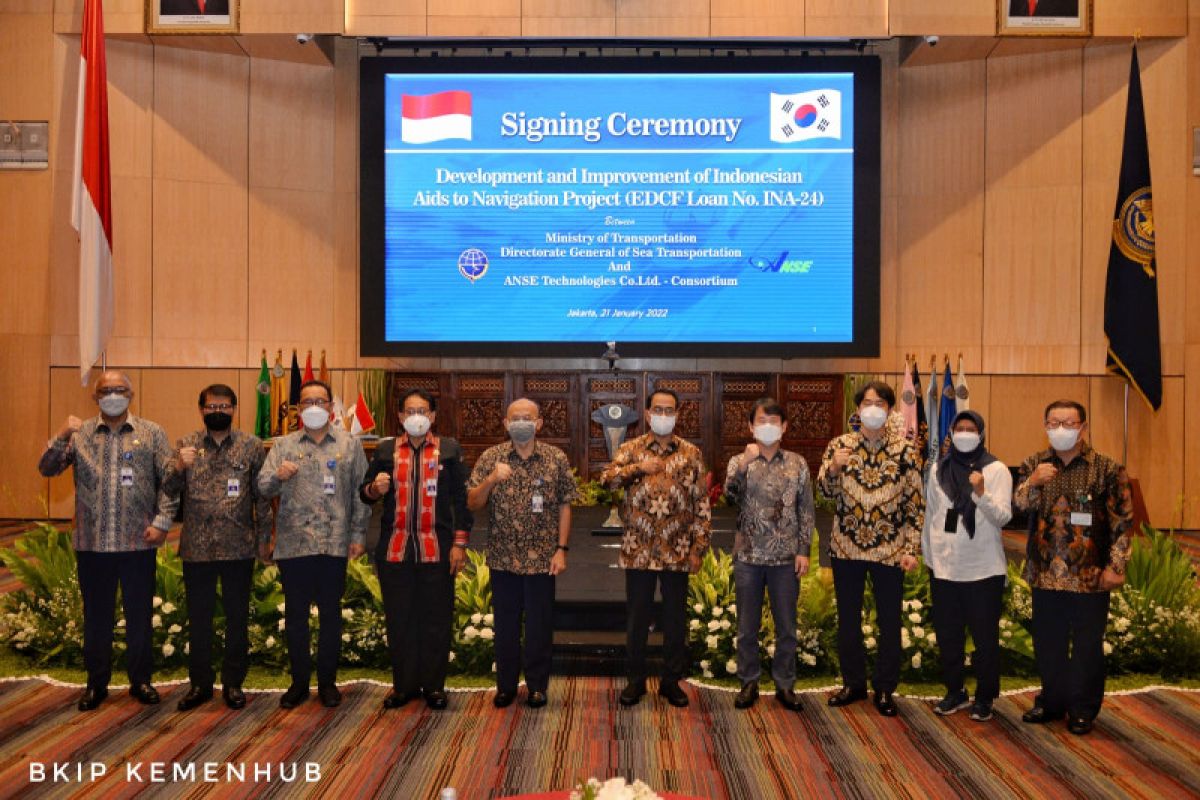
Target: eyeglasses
104, 391
218, 407
663, 411
313, 401
1055, 424
414, 412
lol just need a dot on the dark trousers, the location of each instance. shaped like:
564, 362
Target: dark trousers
1068, 644
307, 580
418, 605
99, 575
200, 579
533, 596
783, 590
887, 584
639, 602
974, 605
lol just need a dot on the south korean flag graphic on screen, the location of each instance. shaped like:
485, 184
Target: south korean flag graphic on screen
806, 115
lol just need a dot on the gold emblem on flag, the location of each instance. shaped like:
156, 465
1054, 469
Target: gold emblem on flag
1133, 229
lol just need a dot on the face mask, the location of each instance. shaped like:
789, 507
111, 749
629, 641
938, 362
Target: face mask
113, 405
522, 431
314, 418
661, 424
966, 441
1063, 439
218, 421
768, 433
416, 425
873, 417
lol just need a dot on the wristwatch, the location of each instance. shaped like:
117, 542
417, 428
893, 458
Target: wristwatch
562, 547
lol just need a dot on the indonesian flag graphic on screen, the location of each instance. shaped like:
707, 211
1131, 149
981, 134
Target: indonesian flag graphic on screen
807, 115
428, 118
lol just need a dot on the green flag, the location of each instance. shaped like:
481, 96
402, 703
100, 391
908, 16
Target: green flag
262, 419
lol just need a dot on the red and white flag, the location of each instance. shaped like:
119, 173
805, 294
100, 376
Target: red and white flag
91, 201
361, 420
434, 117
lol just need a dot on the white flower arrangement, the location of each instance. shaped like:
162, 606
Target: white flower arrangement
613, 789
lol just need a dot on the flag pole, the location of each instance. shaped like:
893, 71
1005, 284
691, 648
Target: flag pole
1125, 429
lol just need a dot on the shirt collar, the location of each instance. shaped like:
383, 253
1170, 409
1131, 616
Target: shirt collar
653, 445
511, 453
330, 436
208, 441
1086, 454
127, 425
430, 440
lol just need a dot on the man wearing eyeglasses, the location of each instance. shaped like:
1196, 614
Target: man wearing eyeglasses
666, 520
316, 473
226, 522
1080, 514
121, 517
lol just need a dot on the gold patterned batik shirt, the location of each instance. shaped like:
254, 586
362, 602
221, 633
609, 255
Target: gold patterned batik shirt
665, 516
879, 499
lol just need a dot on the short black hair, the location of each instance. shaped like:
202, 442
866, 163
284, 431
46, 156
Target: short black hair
662, 390
217, 390
421, 393
886, 393
1067, 404
769, 406
322, 384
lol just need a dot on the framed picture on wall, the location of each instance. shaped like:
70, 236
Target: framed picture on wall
1044, 17
191, 16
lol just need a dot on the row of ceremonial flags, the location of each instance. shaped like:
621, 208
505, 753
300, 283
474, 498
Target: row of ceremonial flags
928, 414
278, 393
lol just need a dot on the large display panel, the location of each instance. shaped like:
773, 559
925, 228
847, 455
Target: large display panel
676, 206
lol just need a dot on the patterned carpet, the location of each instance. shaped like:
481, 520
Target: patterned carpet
1145, 745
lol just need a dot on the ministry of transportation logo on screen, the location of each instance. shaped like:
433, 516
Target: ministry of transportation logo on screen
806, 115
426, 118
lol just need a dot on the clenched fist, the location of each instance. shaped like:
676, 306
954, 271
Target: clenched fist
501, 472
381, 484
1044, 473
841, 457
751, 452
976, 479
286, 470
651, 466
187, 457
69, 428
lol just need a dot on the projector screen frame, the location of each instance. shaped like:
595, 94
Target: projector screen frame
867, 207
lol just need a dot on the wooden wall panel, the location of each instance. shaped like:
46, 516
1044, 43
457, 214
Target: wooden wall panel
291, 123
25, 207
385, 18
663, 18
757, 17
846, 17
942, 17
1032, 219
1151, 17
343, 346
474, 17
941, 209
120, 16
1191, 437
292, 16
1156, 456
24, 360
169, 398
25, 62
1018, 404
569, 18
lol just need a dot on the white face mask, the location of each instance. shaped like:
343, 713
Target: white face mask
873, 417
965, 441
113, 405
768, 433
661, 424
1063, 439
314, 418
416, 425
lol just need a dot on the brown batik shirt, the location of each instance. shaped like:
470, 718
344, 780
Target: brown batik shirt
523, 510
1081, 520
666, 516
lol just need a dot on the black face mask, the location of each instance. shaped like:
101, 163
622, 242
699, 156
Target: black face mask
218, 421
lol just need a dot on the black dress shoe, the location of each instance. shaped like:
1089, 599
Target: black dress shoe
1040, 716
845, 696
397, 698
235, 698
748, 696
145, 694
195, 696
91, 699
674, 694
885, 704
504, 699
788, 699
632, 693
436, 700
294, 696
1080, 726
536, 699
330, 696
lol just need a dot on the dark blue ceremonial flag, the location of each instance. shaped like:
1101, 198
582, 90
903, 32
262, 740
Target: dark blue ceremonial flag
948, 410
1131, 296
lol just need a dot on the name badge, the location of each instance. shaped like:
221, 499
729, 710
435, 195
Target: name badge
431, 487
233, 488
329, 484
537, 504
1081, 518
127, 476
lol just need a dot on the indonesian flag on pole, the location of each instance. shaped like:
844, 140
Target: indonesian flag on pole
361, 420
91, 206
434, 117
